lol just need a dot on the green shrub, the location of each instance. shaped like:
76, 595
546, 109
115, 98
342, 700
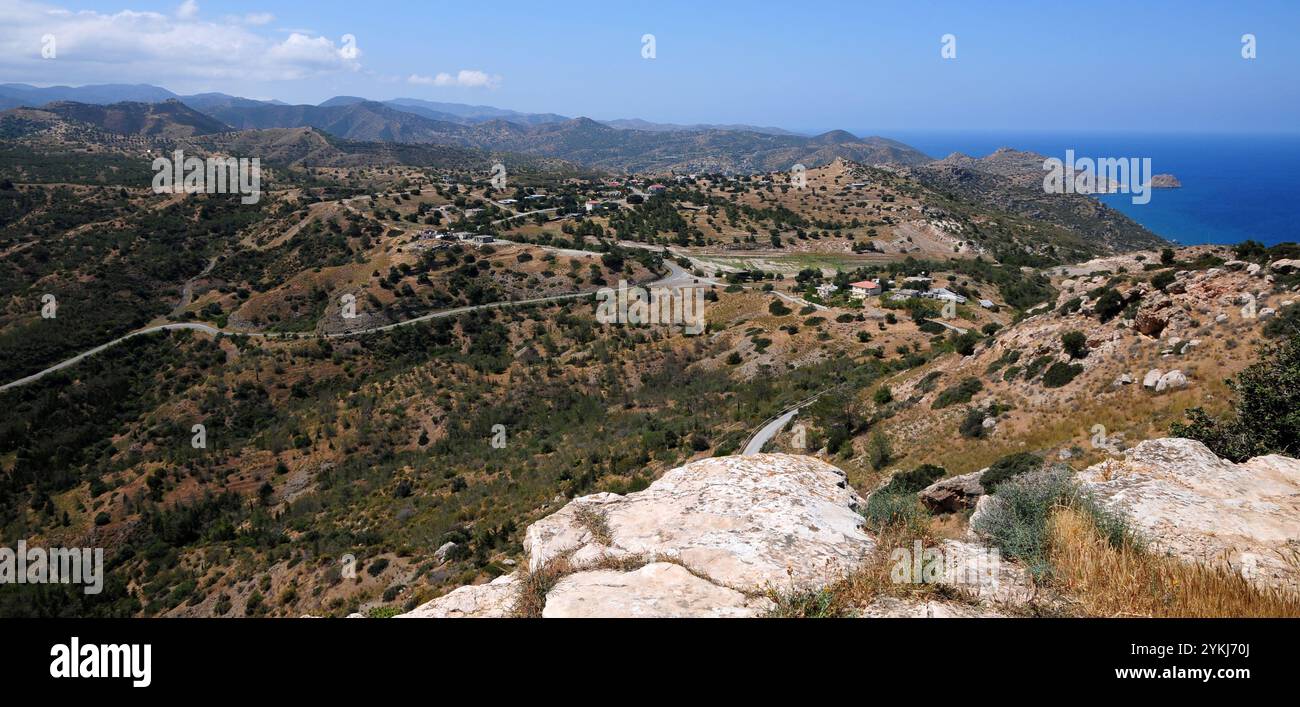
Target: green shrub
883, 395
959, 393
1075, 344
926, 384
930, 327
1036, 366
887, 509
913, 481
1016, 519
972, 425
1266, 416
1008, 467
1061, 373
1109, 304
1163, 280
878, 451
965, 343
1284, 323
778, 308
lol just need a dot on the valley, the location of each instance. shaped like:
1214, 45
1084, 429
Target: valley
395, 366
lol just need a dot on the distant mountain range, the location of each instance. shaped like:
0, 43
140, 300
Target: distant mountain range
16, 95
622, 145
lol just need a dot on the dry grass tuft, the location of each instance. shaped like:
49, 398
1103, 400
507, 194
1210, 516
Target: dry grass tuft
593, 519
1129, 581
535, 585
870, 581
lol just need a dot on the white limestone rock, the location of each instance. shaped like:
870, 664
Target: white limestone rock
1152, 378
495, 600
745, 522
1189, 502
1172, 380
656, 590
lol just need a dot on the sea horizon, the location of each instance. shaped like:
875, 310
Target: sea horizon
1234, 185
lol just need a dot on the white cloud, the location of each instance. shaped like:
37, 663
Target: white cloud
150, 47
465, 78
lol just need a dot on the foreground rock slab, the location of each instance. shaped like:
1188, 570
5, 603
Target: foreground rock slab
657, 590
1189, 502
708, 539
495, 600
749, 523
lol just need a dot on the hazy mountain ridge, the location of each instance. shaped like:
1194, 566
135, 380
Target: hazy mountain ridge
169, 118
581, 140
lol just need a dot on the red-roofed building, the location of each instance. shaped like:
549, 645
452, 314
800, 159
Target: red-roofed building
864, 289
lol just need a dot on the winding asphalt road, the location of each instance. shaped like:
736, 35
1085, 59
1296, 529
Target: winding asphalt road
676, 278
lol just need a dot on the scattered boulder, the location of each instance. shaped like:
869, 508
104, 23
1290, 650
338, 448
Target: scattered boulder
1122, 380
1253, 269
1171, 381
1152, 378
1284, 265
443, 551
954, 493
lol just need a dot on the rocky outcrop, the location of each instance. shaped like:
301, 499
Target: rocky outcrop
1185, 500
495, 600
742, 521
953, 494
707, 539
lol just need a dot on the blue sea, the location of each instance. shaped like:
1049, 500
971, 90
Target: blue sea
1235, 187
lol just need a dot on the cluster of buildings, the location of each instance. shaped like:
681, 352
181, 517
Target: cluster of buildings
447, 238
918, 286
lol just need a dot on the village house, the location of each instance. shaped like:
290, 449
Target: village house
826, 290
864, 289
945, 295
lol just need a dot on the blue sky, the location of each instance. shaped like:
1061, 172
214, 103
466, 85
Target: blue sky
863, 66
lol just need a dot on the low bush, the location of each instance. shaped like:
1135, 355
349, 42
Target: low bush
959, 393
1017, 520
1008, 467
1060, 373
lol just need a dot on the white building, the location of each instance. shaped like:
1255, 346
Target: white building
864, 289
945, 295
